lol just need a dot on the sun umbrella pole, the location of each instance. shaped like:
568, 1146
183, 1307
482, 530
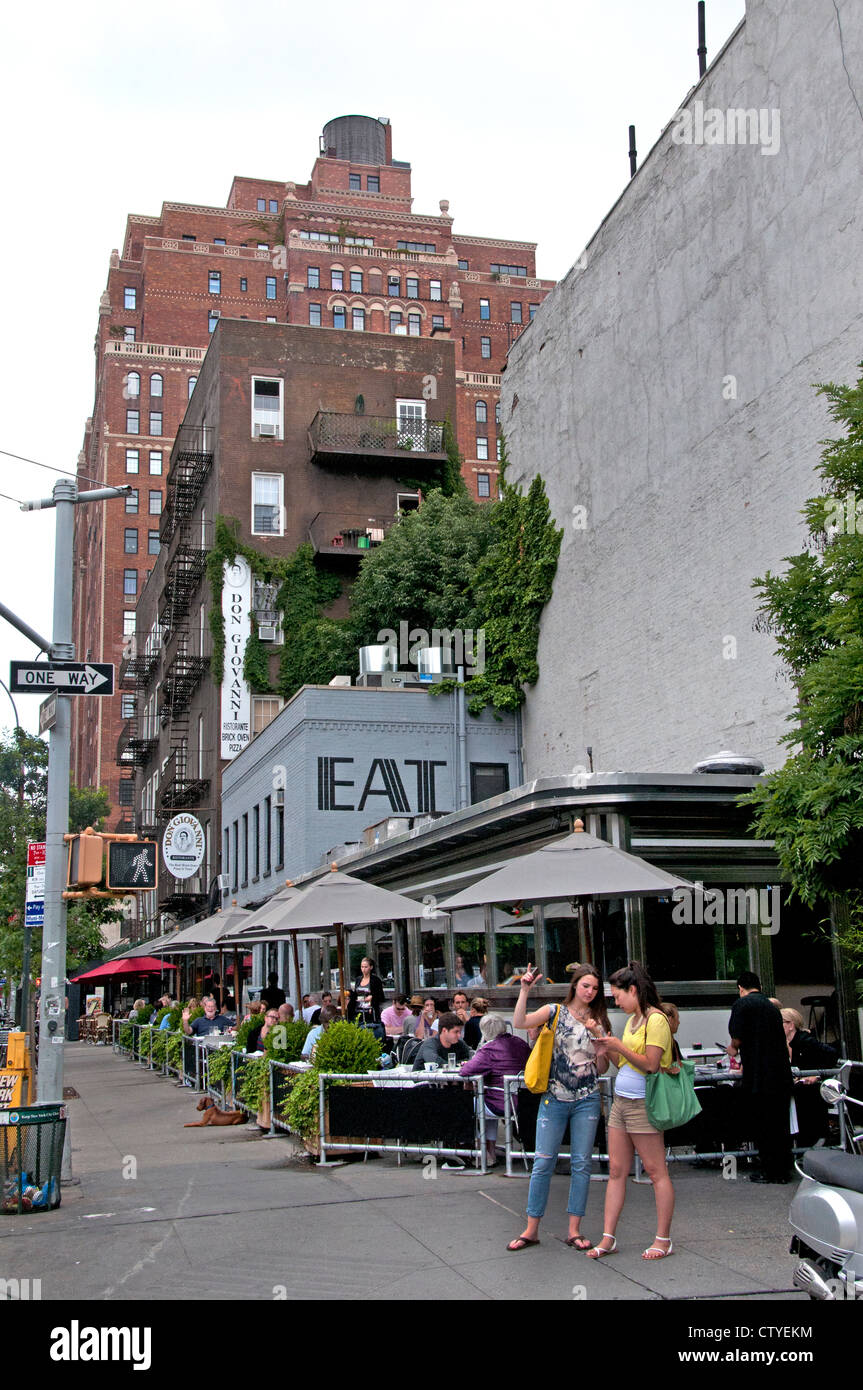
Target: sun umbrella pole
340, 952
296, 955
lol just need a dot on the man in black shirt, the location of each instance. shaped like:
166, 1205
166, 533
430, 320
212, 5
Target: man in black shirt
272, 995
757, 1034
438, 1047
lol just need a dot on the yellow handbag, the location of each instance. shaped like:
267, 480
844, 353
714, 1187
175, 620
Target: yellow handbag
538, 1066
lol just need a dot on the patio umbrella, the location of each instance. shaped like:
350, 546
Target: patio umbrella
137, 965
335, 902
579, 866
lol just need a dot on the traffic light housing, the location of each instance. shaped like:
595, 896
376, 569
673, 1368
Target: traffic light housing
86, 853
133, 866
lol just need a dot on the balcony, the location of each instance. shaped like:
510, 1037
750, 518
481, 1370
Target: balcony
346, 536
403, 445
136, 742
181, 678
191, 461
182, 580
137, 669
178, 787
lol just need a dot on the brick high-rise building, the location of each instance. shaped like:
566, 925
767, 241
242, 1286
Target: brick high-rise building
342, 251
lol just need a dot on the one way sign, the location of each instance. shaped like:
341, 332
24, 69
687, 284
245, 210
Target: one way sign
69, 677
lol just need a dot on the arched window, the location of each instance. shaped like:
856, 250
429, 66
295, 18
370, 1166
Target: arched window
156, 384
192, 381
481, 412
133, 384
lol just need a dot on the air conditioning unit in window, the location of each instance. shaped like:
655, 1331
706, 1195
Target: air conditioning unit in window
267, 632
265, 432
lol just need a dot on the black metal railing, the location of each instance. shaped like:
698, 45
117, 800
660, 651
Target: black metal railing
375, 436
340, 533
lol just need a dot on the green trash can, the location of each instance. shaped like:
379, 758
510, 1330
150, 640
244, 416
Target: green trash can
31, 1156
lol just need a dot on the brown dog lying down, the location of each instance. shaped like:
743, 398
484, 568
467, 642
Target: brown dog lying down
214, 1116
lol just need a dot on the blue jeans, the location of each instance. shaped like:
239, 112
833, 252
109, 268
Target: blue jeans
555, 1116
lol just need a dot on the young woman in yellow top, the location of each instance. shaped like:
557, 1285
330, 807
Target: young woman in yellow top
646, 1047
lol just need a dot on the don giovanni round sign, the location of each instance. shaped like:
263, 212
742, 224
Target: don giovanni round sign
183, 845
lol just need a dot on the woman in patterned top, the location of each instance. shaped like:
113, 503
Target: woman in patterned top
572, 1099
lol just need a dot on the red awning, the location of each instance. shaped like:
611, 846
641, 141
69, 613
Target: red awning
131, 965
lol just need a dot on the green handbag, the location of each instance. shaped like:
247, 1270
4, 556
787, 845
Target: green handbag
670, 1097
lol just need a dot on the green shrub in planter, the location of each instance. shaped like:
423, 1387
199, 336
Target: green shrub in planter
254, 1090
219, 1065
159, 1016
160, 1047
284, 1043
301, 1108
125, 1036
244, 1030
346, 1048
174, 1051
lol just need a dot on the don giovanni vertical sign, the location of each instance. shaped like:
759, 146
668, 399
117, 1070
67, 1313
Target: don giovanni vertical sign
236, 699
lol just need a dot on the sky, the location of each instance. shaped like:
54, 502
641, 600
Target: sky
518, 115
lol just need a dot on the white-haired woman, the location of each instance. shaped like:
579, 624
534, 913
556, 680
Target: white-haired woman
500, 1054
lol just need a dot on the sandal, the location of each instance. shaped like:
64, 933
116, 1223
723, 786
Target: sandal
597, 1253
520, 1243
579, 1242
653, 1252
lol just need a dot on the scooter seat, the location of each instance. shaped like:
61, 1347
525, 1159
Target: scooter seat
835, 1168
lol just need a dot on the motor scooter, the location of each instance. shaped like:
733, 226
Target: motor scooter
827, 1209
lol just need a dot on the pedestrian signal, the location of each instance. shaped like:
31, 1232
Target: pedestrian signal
132, 866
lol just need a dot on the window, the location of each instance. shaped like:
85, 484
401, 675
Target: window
127, 792
421, 247
488, 779
130, 540
411, 417
271, 287
245, 842
129, 623
156, 463
515, 312
152, 542
236, 858
244, 284
214, 282
130, 298
481, 412
483, 485
267, 504
355, 182
485, 347
315, 315
130, 583
531, 309
263, 246
155, 503
268, 836
394, 286
337, 280
133, 385
339, 318
464, 265
156, 384
484, 309
256, 842
187, 236
313, 277
356, 240
274, 206
132, 501
497, 412
481, 447
128, 335
262, 205
412, 287
264, 710
509, 270
437, 321
266, 408
395, 320
280, 837
219, 241
155, 422
358, 317
127, 706
414, 325
132, 422
373, 183
193, 381
212, 319
330, 236
434, 289
356, 282
272, 319
132, 459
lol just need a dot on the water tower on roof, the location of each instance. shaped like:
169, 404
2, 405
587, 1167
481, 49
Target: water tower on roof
358, 139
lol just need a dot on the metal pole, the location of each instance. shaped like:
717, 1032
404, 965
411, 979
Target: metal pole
52, 1006
702, 40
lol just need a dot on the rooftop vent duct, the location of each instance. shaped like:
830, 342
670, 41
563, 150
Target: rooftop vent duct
726, 761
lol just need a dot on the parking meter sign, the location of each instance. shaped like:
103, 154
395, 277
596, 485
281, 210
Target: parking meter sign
132, 866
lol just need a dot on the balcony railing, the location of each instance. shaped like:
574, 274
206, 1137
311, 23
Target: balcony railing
181, 678
178, 787
191, 461
139, 667
370, 438
351, 536
137, 740
182, 580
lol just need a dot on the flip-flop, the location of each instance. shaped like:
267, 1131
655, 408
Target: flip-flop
579, 1243
520, 1243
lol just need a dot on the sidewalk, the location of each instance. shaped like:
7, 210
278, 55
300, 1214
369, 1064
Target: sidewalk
163, 1212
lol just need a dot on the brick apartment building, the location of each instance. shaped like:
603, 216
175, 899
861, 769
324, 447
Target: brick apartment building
297, 436
343, 251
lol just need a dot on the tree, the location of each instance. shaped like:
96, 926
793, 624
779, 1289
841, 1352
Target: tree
813, 805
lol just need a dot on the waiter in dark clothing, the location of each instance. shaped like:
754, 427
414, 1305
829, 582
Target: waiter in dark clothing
757, 1034
272, 996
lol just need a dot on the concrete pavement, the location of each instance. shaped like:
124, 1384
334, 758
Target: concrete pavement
163, 1212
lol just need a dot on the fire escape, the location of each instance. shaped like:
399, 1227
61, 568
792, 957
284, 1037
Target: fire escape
140, 734
183, 785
